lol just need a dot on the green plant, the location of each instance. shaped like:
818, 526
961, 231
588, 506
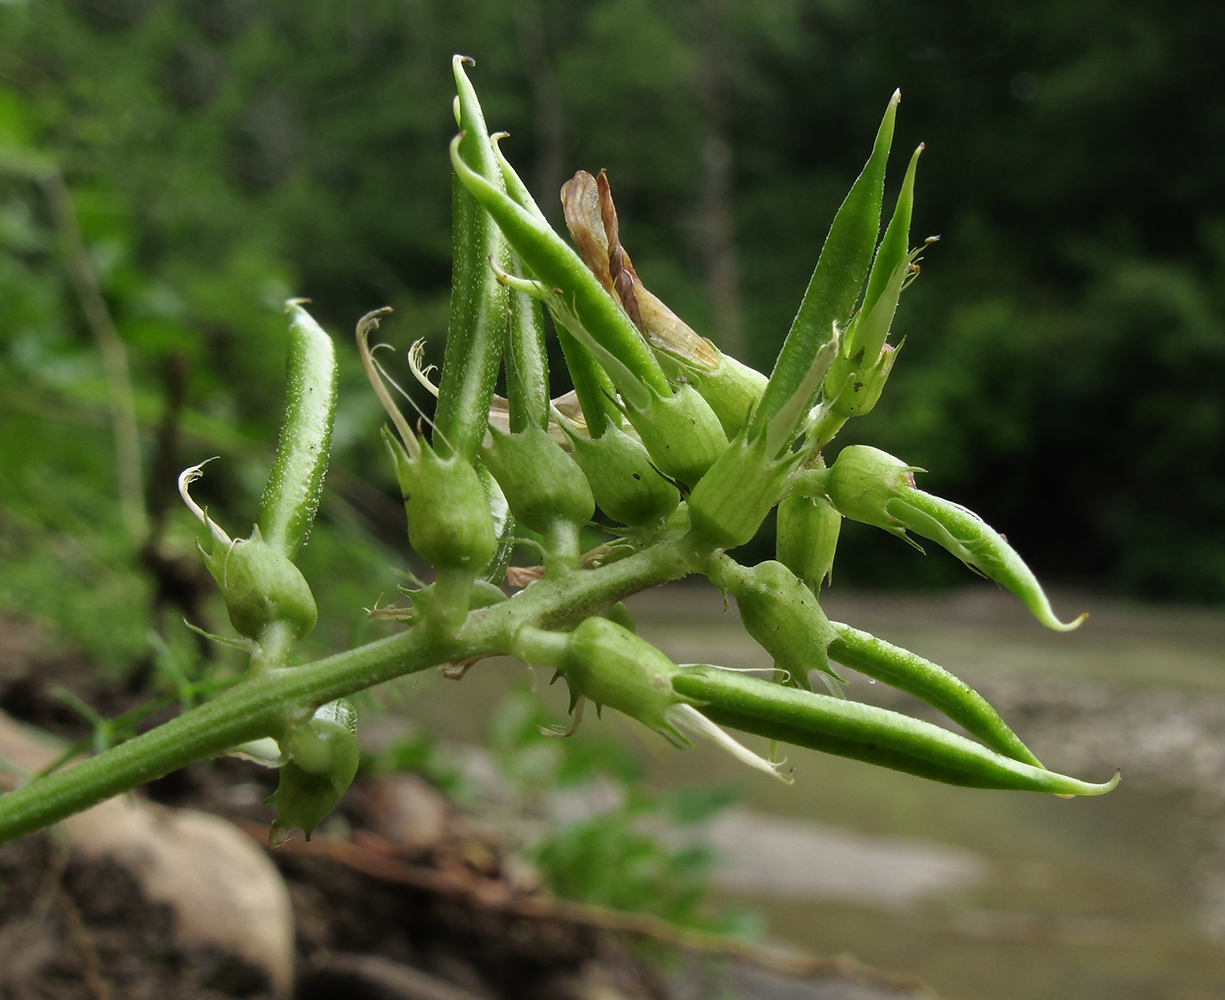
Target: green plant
687, 448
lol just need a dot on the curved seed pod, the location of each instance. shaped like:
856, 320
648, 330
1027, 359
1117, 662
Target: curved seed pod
864, 732
323, 762
979, 546
908, 672
680, 431
732, 499
836, 282
781, 614
807, 538
869, 485
291, 497
588, 309
625, 483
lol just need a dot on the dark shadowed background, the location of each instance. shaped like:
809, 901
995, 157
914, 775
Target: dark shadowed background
1065, 344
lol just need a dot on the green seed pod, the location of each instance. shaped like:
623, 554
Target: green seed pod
323, 761
261, 587
829, 301
681, 433
625, 483
449, 523
478, 320
542, 484
732, 389
295, 484
619, 614
978, 545
853, 389
807, 538
863, 480
732, 499
864, 732
503, 528
781, 614
868, 485
610, 665
890, 271
591, 314
907, 672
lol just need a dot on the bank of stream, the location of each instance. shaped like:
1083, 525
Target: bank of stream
985, 895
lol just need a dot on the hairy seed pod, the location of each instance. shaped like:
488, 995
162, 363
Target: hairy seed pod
295, 484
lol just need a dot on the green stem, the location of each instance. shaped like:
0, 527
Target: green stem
257, 707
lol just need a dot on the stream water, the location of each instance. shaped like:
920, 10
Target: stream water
988, 895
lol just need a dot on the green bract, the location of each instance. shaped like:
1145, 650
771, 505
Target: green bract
261, 587
680, 431
625, 483
686, 449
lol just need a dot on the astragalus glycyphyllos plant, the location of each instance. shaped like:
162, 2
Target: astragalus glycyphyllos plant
685, 448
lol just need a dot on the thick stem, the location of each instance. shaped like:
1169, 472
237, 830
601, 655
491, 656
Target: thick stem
256, 707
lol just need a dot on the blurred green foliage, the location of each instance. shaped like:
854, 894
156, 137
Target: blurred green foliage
630, 849
1065, 346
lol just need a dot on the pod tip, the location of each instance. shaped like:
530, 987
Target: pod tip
1071, 626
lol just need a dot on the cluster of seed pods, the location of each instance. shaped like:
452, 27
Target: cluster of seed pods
680, 448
